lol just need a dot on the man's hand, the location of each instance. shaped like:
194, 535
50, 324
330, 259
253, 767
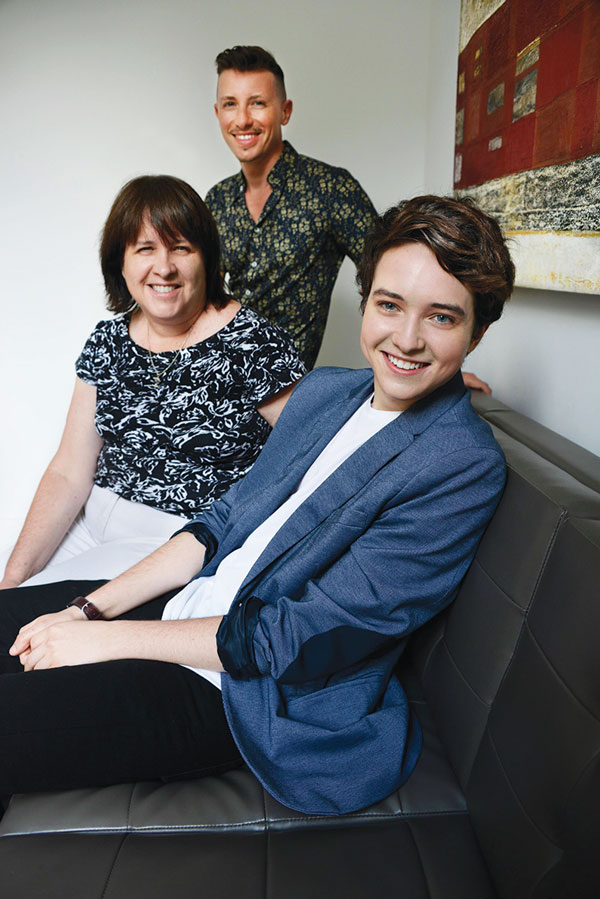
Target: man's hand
475, 383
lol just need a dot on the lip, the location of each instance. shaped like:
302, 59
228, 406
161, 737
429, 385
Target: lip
245, 138
163, 293
406, 372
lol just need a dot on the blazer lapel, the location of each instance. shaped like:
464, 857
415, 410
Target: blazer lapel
356, 472
288, 472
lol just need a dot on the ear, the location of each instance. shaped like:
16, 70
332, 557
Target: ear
476, 338
286, 112
216, 109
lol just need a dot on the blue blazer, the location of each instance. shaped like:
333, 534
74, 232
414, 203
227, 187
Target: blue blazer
312, 639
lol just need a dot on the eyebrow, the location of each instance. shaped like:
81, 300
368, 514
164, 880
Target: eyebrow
233, 97
448, 307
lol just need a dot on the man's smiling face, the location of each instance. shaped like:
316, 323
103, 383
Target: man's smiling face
417, 326
251, 112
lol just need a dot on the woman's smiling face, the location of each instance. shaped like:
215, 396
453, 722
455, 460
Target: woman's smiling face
167, 281
417, 326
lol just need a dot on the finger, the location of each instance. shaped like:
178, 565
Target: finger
20, 645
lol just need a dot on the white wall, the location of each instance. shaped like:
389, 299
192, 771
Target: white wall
93, 94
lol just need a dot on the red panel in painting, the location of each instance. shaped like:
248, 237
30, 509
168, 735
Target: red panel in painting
474, 163
590, 43
558, 102
586, 97
559, 59
566, 6
554, 127
519, 149
499, 49
472, 110
532, 18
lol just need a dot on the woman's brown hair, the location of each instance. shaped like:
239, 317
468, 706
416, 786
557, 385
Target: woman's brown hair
175, 210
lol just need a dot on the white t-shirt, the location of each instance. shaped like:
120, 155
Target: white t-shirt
209, 596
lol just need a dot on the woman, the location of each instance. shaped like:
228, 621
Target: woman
355, 526
173, 398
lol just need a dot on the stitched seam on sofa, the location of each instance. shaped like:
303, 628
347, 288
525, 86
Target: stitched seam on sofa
493, 581
172, 829
525, 612
464, 679
516, 796
423, 867
112, 867
128, 816
559, 677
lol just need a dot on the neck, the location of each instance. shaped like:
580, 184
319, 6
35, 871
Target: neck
168, 335
257, 171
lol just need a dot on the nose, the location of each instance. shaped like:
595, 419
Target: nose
407, 336
164, 264
243, 119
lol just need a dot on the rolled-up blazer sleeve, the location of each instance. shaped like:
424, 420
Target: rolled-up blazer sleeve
386, 579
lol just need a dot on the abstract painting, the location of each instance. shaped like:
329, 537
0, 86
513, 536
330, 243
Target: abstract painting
528, 132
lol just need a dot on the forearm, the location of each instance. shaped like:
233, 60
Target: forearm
55, 505
188, 642
170, 566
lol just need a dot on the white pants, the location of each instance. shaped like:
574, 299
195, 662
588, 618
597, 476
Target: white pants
109, 535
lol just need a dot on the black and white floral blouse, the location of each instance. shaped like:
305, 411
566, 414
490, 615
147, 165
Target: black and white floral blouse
180, 443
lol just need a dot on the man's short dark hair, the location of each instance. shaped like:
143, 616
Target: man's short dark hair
175, 210
244, 58
466, 241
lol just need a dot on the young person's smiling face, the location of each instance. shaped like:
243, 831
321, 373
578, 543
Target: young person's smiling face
417, 326
251, 113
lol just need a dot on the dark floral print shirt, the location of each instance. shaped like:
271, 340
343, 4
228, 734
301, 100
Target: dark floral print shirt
178, 444
285, 265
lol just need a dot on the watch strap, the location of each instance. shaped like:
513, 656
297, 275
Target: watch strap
87, 607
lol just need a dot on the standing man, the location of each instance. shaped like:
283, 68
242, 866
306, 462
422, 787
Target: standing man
286, 221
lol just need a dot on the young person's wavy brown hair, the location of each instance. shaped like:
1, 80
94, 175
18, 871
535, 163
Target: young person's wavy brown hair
466, 241
175, 210
247, 58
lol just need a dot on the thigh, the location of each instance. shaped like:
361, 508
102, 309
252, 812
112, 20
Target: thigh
114, 722
21, 605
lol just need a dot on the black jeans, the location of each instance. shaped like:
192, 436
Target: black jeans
105, 723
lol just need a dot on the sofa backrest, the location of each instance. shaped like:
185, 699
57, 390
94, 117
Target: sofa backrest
512, 674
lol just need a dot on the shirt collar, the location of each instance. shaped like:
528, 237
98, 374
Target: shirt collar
278, 175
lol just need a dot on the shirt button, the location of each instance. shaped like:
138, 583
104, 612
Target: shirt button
254, 264
257, 230
247, 293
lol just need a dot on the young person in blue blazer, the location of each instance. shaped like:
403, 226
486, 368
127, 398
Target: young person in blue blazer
354, 527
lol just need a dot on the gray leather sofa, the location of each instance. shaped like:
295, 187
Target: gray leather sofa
505, 799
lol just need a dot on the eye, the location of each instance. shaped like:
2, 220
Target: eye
145, 249
442, 318
387, 306
259, 102
183, 248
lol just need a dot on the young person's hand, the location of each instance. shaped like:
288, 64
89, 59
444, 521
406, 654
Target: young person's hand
23, 642
475, 383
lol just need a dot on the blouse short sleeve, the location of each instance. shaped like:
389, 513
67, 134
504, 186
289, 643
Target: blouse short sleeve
270, 359
95, 360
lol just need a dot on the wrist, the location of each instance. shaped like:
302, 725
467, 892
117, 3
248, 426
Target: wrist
87, 608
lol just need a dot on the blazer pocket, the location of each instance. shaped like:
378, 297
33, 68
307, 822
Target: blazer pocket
339, 705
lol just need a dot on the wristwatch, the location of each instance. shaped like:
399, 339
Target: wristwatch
87, 607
